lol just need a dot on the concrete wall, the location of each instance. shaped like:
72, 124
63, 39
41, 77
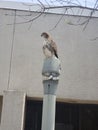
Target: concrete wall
13, 110
78, 52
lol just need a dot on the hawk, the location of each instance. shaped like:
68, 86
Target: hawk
49, 47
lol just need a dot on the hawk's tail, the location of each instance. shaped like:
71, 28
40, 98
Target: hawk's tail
56, 54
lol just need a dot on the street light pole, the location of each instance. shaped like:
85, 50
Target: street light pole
51, 72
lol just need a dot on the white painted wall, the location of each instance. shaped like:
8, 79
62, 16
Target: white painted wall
77, 52
13, 111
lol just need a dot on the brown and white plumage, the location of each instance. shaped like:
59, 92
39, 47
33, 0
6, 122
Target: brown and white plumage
50, 47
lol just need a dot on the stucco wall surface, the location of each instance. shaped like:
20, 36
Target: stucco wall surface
21, 56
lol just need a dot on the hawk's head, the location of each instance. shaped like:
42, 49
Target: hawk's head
45, 35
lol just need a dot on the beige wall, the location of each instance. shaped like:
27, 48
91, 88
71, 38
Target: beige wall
77, 52
13, 110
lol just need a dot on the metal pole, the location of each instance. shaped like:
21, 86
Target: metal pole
49, 101
51, 69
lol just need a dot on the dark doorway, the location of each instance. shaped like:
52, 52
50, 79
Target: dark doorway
33, 115
68, 116
88, 117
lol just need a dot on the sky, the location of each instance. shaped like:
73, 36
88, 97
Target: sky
88, 3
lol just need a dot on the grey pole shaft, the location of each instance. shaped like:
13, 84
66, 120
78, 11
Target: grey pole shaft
51, 68
48, 122
49, 101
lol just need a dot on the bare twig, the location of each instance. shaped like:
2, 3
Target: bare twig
59, 20
93, 39
66, 5
91, 13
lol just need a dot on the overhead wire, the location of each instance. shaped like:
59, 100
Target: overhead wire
11, 53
